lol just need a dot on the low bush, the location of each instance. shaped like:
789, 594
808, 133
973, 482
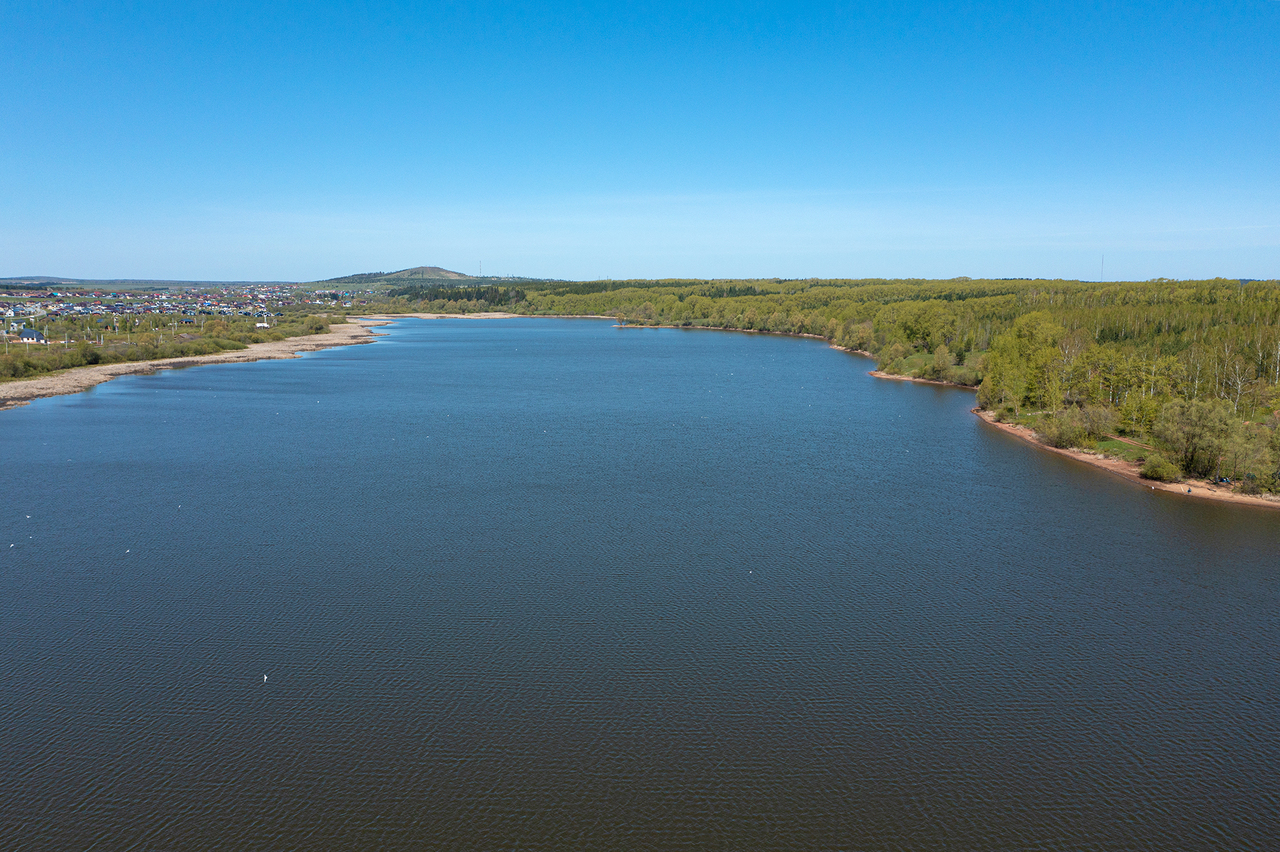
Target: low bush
1060, 432
891, 357
966, 375
1076, 427
1160, 469
316, 325
1098, 423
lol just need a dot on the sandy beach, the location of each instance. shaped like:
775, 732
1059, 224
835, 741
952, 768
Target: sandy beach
1194, 488
482, 315
1191, 488
392, 317
896, 378
23, 391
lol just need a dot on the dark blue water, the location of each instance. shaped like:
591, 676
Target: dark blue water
539, 584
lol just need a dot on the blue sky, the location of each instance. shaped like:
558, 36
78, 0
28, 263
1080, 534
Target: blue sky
299, 141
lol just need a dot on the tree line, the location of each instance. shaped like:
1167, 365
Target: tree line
468, 298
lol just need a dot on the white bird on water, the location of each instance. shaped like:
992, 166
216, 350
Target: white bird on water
264, 678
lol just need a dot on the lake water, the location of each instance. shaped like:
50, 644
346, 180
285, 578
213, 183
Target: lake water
550, 584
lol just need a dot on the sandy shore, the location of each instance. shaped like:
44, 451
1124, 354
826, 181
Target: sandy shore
22, 391
391, 317
1193, 488
484, 315
880, 375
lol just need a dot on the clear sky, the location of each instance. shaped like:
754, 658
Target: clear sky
299, 141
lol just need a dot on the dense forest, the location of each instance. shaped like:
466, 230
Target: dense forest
1188, 371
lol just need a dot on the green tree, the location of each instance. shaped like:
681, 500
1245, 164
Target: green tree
1196, 432
943, 362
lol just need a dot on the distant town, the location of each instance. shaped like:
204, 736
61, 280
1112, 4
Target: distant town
32, 310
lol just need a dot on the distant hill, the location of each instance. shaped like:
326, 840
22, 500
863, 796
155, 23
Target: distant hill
430, 273
33, 281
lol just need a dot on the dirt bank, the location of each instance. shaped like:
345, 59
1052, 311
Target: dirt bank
1192, 488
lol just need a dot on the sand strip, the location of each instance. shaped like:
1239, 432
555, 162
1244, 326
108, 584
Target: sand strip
1194, 488
483, 315
22, 391
896, 378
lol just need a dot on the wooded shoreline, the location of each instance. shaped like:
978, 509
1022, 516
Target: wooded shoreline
1128, 471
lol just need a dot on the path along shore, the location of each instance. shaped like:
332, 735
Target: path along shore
357, 330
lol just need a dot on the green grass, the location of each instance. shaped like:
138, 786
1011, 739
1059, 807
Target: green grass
1120, 449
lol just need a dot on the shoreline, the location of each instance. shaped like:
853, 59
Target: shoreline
357, 330
896, 378
385, 318
1194, 488
478, 315
78, 379
1198, 489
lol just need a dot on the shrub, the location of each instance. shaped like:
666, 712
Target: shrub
1076, 427
1061, 431
1250, 485
891, 357
966, 375
1196, 432
1099, 423
1160, 469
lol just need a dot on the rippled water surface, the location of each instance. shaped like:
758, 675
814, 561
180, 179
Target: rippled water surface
539, 584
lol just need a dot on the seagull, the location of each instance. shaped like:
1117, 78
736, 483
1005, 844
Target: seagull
264, 678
